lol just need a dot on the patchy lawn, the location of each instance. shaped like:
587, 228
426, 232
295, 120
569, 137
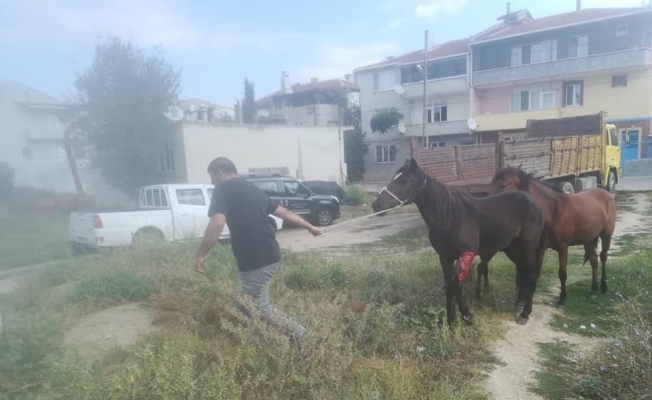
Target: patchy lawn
374, 329
28, 240
621, 365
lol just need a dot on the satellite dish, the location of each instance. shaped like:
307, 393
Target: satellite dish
472, 124
399, 89
401, 127
174, 114
264, 113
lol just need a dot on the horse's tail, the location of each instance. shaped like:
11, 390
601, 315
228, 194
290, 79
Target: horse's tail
586, 253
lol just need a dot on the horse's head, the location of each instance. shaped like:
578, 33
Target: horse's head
506, 179
402, 189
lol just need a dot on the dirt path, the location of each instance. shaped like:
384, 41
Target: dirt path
519, 348
361, 232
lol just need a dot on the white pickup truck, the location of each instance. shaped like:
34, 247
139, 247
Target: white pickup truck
167, 213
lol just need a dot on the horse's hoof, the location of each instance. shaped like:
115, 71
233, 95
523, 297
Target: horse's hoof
468, 319
561, 306
593, 296
522, 320
603, 290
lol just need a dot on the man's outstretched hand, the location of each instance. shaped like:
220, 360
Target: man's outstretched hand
200, 266
314, 231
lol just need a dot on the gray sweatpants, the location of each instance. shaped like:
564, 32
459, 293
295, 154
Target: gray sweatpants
256, 284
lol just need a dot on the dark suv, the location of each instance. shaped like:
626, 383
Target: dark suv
319, 209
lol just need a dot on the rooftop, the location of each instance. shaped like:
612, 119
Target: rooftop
330, 84
444, 50
529, 25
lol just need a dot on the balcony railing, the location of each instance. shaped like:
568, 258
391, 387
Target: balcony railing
622, 60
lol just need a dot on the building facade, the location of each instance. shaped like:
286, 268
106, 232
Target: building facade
577, 63
565, 65
397, 84
318, 103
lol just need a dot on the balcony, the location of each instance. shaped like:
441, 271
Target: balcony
455, 84
438, 128
622, 60
518, 120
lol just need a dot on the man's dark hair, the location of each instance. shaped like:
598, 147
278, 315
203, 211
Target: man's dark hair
222, 164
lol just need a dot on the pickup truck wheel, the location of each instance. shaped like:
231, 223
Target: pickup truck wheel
566, 187
611, 183
147, 237
324, 217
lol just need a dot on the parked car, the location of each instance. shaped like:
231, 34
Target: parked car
320, 210
167, 213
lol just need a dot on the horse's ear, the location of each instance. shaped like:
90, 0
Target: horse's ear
519, 166
413, 165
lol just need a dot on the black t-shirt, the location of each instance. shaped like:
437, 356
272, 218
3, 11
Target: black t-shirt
247, 209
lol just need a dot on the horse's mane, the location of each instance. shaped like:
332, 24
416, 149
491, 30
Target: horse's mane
441, 204
524, 178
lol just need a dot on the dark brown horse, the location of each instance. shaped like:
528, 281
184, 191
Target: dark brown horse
462, 226
571, 220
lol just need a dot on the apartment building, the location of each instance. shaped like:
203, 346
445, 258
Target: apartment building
577, 63
317, 103
397, 84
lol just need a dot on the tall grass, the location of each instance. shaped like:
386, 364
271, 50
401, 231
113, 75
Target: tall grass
374, 330
621, 365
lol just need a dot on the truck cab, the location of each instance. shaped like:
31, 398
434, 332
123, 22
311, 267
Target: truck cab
611, 170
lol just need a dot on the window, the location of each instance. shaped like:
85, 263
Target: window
573, 94
578, 46
191, 197
433, 143
622, 30
57, 152
167, 158
295, 189
53, 123
155, 197
534, 53
438, 112
619, 81
384, 80
539, 99
385, 154
269, 187
613, 137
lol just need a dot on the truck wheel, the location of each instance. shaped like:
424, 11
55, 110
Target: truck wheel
611, 183
324, 217
147, 237
566, 187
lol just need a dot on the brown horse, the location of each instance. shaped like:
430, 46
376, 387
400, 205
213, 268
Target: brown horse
571, 220
462, 226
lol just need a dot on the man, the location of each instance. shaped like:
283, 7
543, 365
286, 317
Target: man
245, 208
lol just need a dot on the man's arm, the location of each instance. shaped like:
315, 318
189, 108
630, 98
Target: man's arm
211, 237
289, 216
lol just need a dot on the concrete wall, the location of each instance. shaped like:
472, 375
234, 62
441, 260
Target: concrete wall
642, 167
311, 153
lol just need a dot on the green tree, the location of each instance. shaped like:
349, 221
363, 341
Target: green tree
385, 121
122, 99
356, 145
6, 183
249, 103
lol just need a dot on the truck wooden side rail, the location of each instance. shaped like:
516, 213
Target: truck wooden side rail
567, 151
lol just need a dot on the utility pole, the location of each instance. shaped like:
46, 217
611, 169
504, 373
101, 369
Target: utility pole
425, 92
